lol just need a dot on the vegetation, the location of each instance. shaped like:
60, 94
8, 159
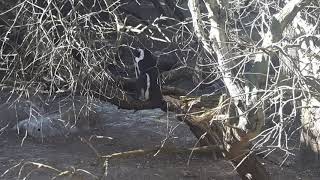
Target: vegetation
265, 52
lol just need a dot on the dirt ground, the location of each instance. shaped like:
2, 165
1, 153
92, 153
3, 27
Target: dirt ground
122, 131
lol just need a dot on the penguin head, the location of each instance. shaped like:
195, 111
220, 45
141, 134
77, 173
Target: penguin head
138, 54
143, 58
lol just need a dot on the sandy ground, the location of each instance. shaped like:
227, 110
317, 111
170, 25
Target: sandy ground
120, 131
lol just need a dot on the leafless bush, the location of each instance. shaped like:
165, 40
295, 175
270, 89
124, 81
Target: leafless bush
53, 46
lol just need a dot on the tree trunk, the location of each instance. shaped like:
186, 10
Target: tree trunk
310, 119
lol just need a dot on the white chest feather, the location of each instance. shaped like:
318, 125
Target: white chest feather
146, 95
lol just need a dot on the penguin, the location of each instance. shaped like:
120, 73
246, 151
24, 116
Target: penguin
148, 86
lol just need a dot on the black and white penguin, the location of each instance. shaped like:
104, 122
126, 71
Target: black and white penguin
148, 85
